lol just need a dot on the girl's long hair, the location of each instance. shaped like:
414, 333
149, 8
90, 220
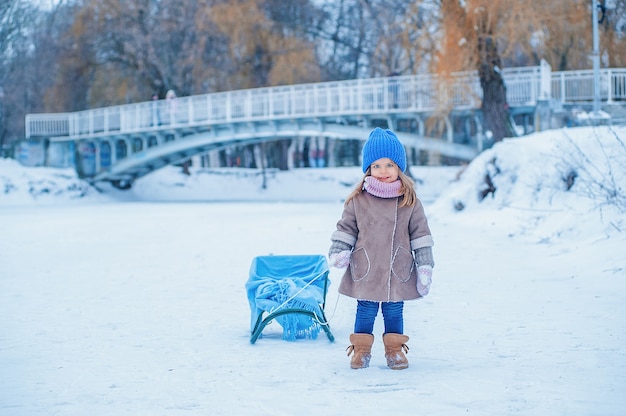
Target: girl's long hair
407, 190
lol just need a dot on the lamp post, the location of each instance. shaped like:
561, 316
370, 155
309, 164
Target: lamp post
596, 59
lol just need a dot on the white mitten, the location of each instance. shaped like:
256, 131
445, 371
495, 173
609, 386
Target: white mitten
340, 260
424, 278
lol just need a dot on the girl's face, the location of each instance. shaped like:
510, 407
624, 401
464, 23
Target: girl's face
385, 170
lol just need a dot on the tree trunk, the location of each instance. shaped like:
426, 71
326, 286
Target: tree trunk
283, 160
306, 152
494, 106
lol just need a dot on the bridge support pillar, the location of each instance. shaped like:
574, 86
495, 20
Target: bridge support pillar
98, 156
420, 125
112, 151
543, 115
480, 134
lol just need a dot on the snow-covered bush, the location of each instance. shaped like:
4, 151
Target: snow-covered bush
596, 167
539, 170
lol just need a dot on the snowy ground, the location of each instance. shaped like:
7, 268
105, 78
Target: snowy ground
134, 303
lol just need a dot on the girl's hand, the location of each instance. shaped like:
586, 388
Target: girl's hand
424, 279
340, 260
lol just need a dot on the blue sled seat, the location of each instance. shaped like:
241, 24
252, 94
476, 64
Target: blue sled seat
291, 289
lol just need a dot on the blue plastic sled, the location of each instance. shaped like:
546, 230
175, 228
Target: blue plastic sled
291, 289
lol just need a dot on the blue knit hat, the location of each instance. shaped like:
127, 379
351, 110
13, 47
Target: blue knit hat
383, 143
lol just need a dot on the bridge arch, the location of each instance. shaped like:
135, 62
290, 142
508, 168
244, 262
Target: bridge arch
141, 161
106, 157
121, 149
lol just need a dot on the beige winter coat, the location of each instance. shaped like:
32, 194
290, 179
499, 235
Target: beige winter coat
383, 237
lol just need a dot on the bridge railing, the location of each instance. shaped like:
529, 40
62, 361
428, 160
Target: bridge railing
412, 93
50, 124
523, 85
572, 86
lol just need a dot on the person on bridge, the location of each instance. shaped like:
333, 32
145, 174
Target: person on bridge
172, 107
384, 242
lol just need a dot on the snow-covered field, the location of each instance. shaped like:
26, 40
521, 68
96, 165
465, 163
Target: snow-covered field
134, 302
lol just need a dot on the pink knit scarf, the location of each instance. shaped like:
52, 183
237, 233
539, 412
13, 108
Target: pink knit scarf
382, 189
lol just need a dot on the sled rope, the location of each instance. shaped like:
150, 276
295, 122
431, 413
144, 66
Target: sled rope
328, 319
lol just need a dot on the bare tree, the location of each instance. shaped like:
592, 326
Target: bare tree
343, 39
402, 39
482, 34
136, 48
15, 18
12, 18
259, 46
472, 33
613, 40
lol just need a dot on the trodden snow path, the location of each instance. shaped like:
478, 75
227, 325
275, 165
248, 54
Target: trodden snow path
140, 308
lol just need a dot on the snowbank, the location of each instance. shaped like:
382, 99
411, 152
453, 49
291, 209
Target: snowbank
557, 183
27, 185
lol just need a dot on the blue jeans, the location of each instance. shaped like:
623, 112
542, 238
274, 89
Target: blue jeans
366, 312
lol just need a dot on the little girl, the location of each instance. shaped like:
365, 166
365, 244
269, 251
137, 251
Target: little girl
383, 237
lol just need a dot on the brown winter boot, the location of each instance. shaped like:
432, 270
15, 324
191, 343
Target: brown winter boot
362, 348
394, 344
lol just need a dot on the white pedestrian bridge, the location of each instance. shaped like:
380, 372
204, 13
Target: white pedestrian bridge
122, 143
